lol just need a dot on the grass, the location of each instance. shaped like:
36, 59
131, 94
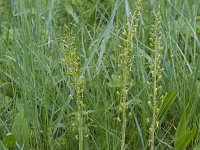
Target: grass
40, 103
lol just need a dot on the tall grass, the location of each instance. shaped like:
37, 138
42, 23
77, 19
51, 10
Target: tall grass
113, 107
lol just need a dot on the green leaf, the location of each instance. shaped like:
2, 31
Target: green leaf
165, 104
184, 140
183, 134
197, 18
71, 11
9, 141
183, 121
21, 129
198, 29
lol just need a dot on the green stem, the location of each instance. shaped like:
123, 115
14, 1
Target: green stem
125, 77
123, 121
154, 104
80, 121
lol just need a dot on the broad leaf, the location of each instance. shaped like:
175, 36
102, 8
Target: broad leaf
165, 104
9, 141
183, 134
184, 140
21, 129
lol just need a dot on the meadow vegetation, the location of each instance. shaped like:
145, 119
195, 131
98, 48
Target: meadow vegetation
100, 75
